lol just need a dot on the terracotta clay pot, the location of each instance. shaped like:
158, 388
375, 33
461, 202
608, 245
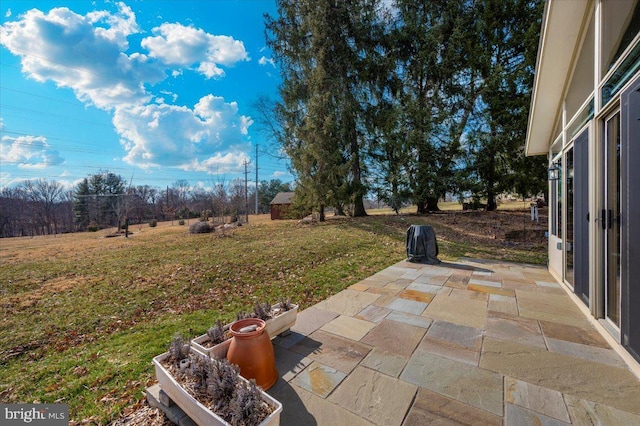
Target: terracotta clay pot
251, 349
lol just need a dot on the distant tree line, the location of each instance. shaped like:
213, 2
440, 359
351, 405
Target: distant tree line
409, 102
103, 200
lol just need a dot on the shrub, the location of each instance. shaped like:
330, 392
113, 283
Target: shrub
200, 228
93, 227
153, 223
181, 222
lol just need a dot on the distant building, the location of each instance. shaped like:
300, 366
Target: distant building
585, 117
280, 205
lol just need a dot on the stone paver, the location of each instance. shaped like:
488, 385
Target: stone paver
456, 342
519, 416
349, 327
569, 333
386, 362
552, 307
536, 398
485, 283
431, 408
374, 396
348, 302
513, 328
504, 304
615, 387
465, 383
459, 335
394, 337
407, 306
334, 351
591, 353
417, 320
289, 363
311, 319
458, 310
428, 288
590, 413
491, 290
300, 407
373, 313
416, 295
319, 379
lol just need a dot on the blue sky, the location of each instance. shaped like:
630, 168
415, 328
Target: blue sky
156, 91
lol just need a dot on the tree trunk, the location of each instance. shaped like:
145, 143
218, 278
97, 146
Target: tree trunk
358, 207
432, 204
491, 202
321, 211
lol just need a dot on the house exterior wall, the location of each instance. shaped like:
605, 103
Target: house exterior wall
600, 46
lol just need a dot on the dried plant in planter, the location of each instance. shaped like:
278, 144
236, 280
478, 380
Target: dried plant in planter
285, 304
199, 371
248, 407
262, 311
242, 315
217, 385
221, 386
217, 333
179, 348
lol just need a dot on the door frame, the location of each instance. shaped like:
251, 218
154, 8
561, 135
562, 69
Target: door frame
604, 224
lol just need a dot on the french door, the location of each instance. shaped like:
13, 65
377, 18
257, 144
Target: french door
629, 219
579, 255
610, 219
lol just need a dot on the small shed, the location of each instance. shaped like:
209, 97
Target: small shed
281, 204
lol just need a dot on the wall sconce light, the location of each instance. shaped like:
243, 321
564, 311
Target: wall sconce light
554, 172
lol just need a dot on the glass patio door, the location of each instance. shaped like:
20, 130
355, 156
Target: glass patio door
610, 219
569, 244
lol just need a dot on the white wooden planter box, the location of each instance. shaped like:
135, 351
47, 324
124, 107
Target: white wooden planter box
194, 409
275, 326
282, 322
218, 351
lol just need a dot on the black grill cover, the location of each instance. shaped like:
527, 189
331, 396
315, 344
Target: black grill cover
422, 246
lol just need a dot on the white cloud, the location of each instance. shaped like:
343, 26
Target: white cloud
230, 162
264, 61
73, 51
29, 152
8, 13
120, 26
174, 96
186, 46
178, 136
91, 55
278, 174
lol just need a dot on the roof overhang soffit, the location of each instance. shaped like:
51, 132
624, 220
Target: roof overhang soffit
562, 26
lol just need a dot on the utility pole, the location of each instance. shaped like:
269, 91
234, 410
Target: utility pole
256, 178
246, 192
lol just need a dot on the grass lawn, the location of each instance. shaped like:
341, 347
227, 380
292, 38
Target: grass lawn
83, 314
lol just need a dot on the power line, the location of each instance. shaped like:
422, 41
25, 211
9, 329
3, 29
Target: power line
246, 192
256, 179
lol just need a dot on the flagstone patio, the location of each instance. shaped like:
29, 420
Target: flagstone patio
471, 342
